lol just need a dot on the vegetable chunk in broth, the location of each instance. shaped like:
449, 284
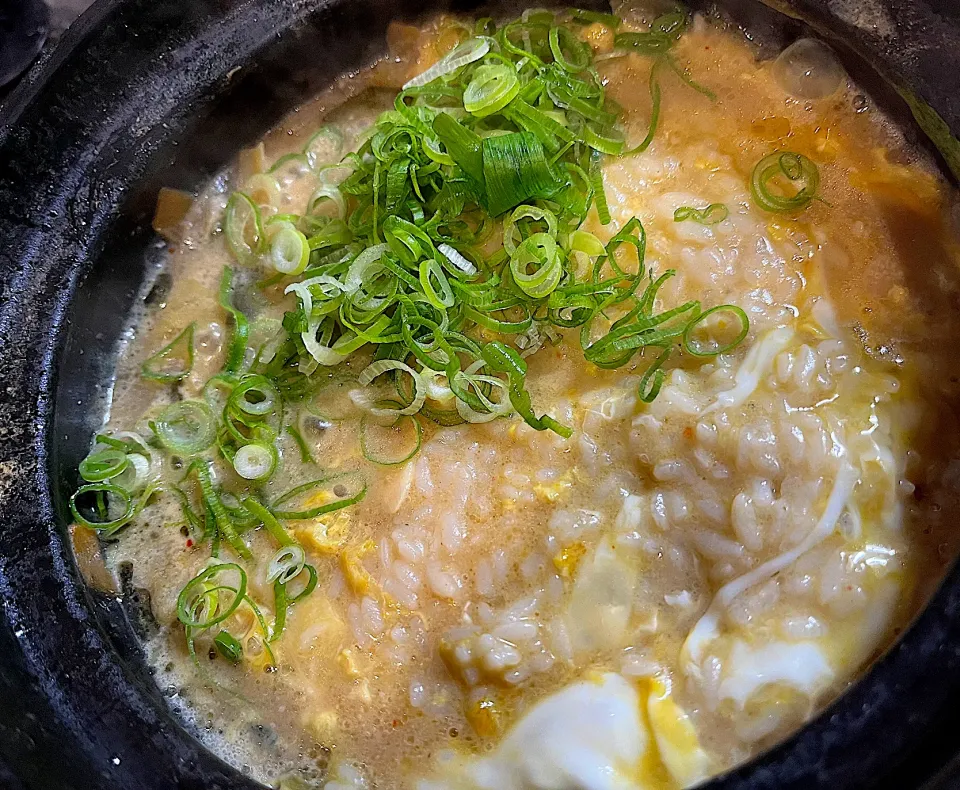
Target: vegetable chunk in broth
565, 401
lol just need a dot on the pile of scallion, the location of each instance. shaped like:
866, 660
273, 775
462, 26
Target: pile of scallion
448, 247
459, 218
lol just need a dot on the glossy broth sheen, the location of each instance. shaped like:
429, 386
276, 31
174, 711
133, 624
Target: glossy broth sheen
497, 601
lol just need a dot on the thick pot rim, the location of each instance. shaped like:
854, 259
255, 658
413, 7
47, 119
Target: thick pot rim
105, 112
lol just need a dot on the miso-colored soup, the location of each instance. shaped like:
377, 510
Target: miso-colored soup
565, 401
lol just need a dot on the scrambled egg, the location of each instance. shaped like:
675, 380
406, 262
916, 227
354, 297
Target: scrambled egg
484, 716
588, 736
325, 534
602, 733
675, 736
551, 493
567, 560
351, 563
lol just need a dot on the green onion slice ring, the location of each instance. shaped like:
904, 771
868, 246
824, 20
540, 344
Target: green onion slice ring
776, 173
333, 493
492, 88
174, 361
243, 228
200, 603
104, 465
187, 427
390, 442
718, 314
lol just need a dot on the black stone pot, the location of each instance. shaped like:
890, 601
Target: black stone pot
144, 93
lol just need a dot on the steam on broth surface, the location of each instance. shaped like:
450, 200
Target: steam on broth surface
711, 555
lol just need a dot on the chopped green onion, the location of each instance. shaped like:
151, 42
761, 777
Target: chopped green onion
531, 41
283, 600
286, 564
435, 285
255, 461
382, 366
607, 141
587, 243
467, 52
431, 147
326, 145
596, 181
656, 96
589, 17
243, 228
318, 207
229, 647
632, 235
221, 518
482, 387
653, 42
238, 342
127, 441
526, 214
255, 396
289, 251
549, 128
263, 190
776, 173
539, 251
569, 52
288, 169
306, 457
504, 359
174, 361
688, 80
334, 493
515, 169
193, 520
672, 23
101, 520
200, 603
390, 442
463, 145
713, 214
652, 380
485, 26
269, 521
186, 428
104, 465
694, 347
493, 87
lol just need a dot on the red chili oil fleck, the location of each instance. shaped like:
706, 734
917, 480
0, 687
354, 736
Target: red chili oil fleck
189, 544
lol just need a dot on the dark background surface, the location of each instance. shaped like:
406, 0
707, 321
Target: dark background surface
61, 15
63, 12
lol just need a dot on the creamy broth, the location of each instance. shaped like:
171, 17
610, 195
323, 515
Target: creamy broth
705, 571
